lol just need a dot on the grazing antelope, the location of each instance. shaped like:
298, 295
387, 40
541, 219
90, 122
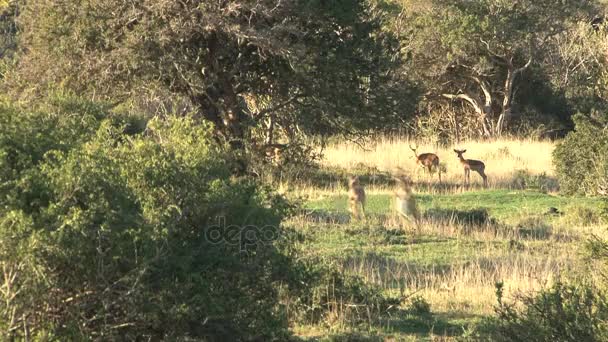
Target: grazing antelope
356, 197
428, 161
405, 203
471, 164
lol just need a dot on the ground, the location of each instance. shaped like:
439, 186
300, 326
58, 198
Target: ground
469, 238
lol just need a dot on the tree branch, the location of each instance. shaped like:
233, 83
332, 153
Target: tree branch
486, 91
519, 70
468, 98
503, 58
293, 99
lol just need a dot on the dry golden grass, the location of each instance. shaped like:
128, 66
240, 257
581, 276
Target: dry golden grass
502, 157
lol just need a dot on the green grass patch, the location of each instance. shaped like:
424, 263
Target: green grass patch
504, 205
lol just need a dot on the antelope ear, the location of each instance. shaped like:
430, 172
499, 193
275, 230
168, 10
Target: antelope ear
463, 151
455, 150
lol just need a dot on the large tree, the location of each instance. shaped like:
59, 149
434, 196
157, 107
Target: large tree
283, 66
476, 52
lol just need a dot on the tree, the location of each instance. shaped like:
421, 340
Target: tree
477, 52
577, 66
117, 233
283, 67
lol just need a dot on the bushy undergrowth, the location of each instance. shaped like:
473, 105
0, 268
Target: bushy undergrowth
561, 313
523, 179
112, 231
574, 311
333, 297
581, 160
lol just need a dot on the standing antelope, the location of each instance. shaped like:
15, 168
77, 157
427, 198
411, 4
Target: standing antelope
428, 161
356, 197
471, 164
405, 203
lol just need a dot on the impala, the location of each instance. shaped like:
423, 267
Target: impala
405, 202
471, 164
429, 161
356, 197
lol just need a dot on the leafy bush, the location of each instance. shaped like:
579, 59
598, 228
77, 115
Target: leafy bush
541, 182
564, 312
112, 232
332, 296
419, 306
581, 160
561, 313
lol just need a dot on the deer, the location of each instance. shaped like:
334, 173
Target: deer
356, 198
405, 202
471, 164
427, 160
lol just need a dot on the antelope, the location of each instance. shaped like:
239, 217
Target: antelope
471, 164
428, 161
356, 198
405, 203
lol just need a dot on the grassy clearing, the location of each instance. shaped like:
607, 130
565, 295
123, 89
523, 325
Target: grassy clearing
503, 158
467, 241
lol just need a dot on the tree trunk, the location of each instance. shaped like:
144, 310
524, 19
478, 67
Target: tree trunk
506, 113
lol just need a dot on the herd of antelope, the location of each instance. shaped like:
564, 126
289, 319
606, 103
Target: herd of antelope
405, 203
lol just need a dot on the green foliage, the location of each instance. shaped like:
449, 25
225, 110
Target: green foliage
256, 70
561, 313
8, 31
106, 231
581, 160
564, 312
334, 297
419, 306
495, 57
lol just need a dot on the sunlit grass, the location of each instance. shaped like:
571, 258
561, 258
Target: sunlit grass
503, 158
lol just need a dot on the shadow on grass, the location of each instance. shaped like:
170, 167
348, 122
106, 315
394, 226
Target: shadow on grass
421, 325
399, 323
473, 217
328, 176
326, 216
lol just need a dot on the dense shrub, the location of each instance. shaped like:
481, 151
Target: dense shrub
577, 311
561, 313
109, 231
332, 296
581, 160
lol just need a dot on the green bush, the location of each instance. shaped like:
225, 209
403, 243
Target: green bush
581, 160
109, 231
577, 311
561, 313
333, 297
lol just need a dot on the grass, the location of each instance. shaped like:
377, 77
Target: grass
467, 240
504, 205
503, 158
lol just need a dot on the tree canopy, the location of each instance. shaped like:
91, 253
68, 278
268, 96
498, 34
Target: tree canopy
284, 67
480, 52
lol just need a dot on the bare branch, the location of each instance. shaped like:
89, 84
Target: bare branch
486, 91
502, 57
468, 98
519, 70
